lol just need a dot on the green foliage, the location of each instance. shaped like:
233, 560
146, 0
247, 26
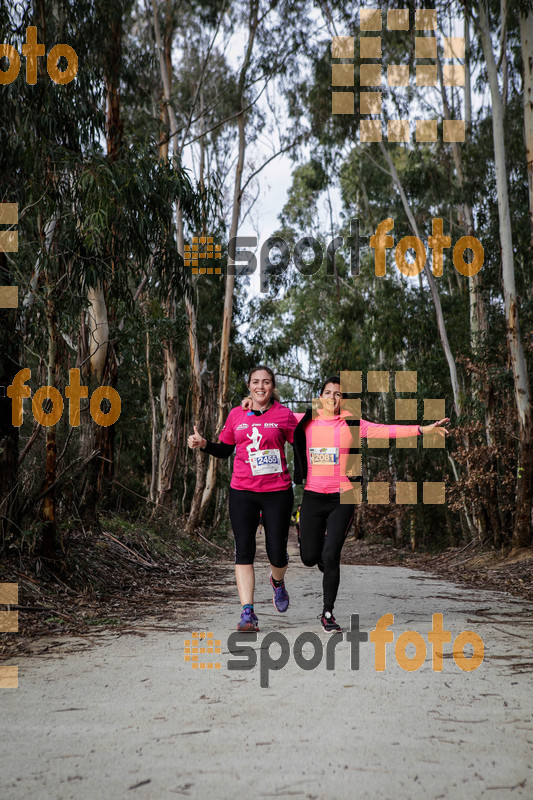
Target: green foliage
321, 324
98, 209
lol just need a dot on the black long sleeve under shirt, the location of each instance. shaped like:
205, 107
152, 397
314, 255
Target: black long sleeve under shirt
220, 449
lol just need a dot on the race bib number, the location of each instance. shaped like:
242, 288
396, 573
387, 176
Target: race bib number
324, 455
265, 462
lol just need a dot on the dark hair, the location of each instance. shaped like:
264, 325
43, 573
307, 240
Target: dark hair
258, 368
333, 379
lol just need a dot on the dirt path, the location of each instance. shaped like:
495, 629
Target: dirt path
128, 717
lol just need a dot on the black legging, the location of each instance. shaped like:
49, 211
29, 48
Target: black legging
324, 525
244, 510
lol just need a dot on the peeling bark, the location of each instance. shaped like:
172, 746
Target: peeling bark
522, 528
168, 447
9, 435
526, 39
48, 509
223, 378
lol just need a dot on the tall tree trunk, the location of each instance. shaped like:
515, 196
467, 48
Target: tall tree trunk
196, 373
526, 39
168, 448
196, 387
105, 435
478, 312
441, 325
468, 76
114, 126
223, 376
153, 413
167, 49
479, 326
9, 434
98, 331
103, 367
522, 528
48, 505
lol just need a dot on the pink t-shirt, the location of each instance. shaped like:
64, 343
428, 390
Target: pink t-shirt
260, 464
328, 442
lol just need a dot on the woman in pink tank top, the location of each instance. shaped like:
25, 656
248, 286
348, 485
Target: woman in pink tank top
325, 446
261, 487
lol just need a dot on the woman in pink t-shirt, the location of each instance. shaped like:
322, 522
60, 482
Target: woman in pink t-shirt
260, 486
324, 448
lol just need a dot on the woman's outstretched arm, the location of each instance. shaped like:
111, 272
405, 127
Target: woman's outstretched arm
377, 431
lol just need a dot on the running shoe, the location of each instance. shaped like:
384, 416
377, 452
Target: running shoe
328, 623
248, 621
281, 597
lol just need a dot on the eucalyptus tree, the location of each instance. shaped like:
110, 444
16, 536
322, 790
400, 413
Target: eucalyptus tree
194, 107
274, 33
413, 184
483, 19
90, 227
44, 128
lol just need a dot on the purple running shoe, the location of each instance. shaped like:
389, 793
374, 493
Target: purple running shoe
248, 621
281, 597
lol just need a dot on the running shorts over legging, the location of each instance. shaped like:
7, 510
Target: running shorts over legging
324, 525
244, 510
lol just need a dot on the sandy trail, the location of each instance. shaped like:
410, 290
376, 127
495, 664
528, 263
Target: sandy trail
129, 717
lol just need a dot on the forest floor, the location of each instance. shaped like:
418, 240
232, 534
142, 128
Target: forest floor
485, 569
109, 579
121, 713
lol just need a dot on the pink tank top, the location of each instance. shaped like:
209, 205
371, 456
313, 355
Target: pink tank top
328, 442
260, 464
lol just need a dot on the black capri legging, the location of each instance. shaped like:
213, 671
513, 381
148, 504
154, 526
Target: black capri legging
244, 510
324, 525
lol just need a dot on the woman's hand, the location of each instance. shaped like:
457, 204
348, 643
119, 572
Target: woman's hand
438, 427
247, 404
196, 440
